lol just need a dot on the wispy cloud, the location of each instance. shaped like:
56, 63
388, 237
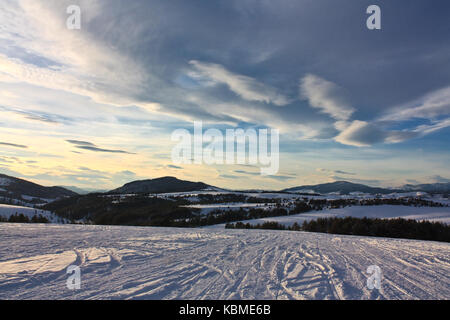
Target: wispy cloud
13, 145
325, 96
430, 106
97, 149
174, 167
85, 145
246, 87
80, 143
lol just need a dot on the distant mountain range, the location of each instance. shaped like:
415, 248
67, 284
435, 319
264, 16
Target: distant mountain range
23, 190
83, 190
342, 187
27, 192
161, 185
431, 187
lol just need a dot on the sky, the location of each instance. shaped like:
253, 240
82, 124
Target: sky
95, 107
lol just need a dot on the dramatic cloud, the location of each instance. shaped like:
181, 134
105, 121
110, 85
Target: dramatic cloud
246, 87
363, 134
134, 73
325, 96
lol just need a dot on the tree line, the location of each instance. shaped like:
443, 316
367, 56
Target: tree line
374, 227
21, 218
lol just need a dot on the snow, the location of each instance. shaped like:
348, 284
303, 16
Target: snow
437, 214
8, 210
206, 208
31, 198
168, 263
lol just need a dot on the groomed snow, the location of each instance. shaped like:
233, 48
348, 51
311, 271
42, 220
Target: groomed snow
170, 263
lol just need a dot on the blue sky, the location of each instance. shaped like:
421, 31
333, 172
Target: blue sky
369, 106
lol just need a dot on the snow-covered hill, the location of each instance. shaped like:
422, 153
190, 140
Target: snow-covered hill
8, 210
169, 263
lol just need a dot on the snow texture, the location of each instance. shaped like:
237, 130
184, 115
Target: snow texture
170, 263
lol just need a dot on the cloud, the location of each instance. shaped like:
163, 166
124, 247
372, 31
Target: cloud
430, 128
174, 166
344, 172
430, 106
85, 145
364, 134
325, 96
73, 61
34, 116
247, 172
332, 172
280, 178
246, 87
229, 176
13, 145
80, 143
96, 149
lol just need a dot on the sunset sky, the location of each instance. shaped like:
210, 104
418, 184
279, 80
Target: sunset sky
95, 107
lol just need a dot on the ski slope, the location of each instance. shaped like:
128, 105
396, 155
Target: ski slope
169, 263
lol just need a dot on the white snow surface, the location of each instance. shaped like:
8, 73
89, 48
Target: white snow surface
170, 263
206, 208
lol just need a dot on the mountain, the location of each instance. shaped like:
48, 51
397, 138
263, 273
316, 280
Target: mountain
161, 185
343, 187
26, 191
430, 187
83, 191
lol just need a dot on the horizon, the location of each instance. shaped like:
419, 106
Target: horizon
95, 107
93, 189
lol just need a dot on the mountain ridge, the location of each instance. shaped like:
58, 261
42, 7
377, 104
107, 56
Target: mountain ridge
17, 188
345, 187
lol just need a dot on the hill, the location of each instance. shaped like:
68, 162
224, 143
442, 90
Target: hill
161, 185
342, 187
19, 190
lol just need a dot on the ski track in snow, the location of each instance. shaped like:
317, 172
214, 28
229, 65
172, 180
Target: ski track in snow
170, 263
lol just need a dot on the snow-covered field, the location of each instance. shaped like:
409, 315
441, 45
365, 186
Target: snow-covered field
437, 214
8, 210
170, 263
207, 208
